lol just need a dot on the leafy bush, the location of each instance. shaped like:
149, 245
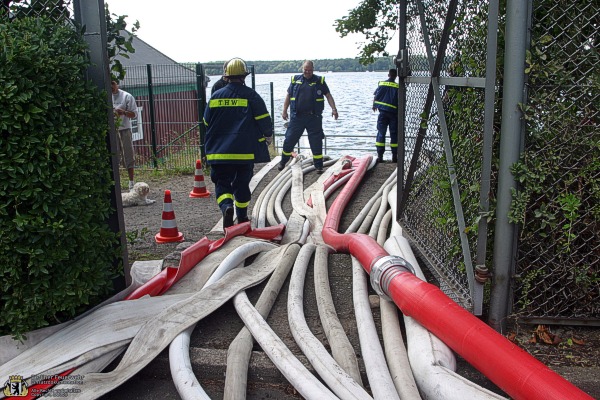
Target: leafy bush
56, 249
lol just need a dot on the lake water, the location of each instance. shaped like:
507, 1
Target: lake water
356, 127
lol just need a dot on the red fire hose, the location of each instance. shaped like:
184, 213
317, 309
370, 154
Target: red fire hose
512, 369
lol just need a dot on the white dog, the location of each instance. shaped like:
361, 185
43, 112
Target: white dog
137, 196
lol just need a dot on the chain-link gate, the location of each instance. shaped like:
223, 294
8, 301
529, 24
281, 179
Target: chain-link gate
440, 172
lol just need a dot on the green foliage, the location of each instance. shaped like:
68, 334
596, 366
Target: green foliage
119, 38
134, 236
377, 20
56, 249
119, 42
53, 9
559, 173
295, 66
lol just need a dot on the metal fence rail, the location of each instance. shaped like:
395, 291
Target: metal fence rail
167, 132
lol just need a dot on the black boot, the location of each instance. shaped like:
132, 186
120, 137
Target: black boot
228, 217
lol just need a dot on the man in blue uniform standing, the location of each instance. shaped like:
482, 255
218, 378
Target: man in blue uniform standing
237, 123
221, 83
305, 96
386, 101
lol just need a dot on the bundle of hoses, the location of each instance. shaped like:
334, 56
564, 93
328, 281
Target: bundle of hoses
344, 381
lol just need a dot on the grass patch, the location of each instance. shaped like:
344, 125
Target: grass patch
153, 175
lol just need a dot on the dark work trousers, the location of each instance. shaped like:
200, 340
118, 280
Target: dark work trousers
232, 186
384, 120
313, 123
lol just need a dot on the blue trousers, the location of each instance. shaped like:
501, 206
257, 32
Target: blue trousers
232, 186
387, 120
313, 124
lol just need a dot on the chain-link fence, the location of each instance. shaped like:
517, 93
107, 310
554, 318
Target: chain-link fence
558, 204
57, 10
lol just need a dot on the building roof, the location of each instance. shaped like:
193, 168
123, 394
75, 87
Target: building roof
167, 74
144, 53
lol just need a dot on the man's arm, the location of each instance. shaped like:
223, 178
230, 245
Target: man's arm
130, 108
334, 112
261, 116
286, 105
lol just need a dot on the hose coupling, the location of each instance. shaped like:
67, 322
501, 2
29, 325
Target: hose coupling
386, 268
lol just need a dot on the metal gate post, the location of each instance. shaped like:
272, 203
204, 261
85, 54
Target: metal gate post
91, 15
272, 98
488, 141
200, 79
401, 62
152, 116
504, 254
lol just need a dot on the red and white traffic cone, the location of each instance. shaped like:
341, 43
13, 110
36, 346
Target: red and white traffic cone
168, 228
199, 185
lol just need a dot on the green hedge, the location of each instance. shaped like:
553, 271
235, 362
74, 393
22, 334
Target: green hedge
56, 249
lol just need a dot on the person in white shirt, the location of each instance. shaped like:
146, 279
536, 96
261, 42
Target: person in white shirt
125, 109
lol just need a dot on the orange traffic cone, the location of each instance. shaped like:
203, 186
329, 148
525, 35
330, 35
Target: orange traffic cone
199, 185
168, 229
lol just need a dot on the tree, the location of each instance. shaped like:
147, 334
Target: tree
377, 20
118, 42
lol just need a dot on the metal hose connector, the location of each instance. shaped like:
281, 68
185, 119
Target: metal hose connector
386, 268
482, 274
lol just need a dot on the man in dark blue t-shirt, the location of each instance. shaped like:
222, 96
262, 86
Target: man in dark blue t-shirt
305, 96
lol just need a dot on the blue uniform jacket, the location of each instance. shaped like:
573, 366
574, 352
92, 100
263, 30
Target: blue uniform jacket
386, 96
317, 89
237, 122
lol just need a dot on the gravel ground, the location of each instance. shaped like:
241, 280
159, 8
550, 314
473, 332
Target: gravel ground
575, 352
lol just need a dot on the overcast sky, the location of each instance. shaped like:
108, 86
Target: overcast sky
204, 31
